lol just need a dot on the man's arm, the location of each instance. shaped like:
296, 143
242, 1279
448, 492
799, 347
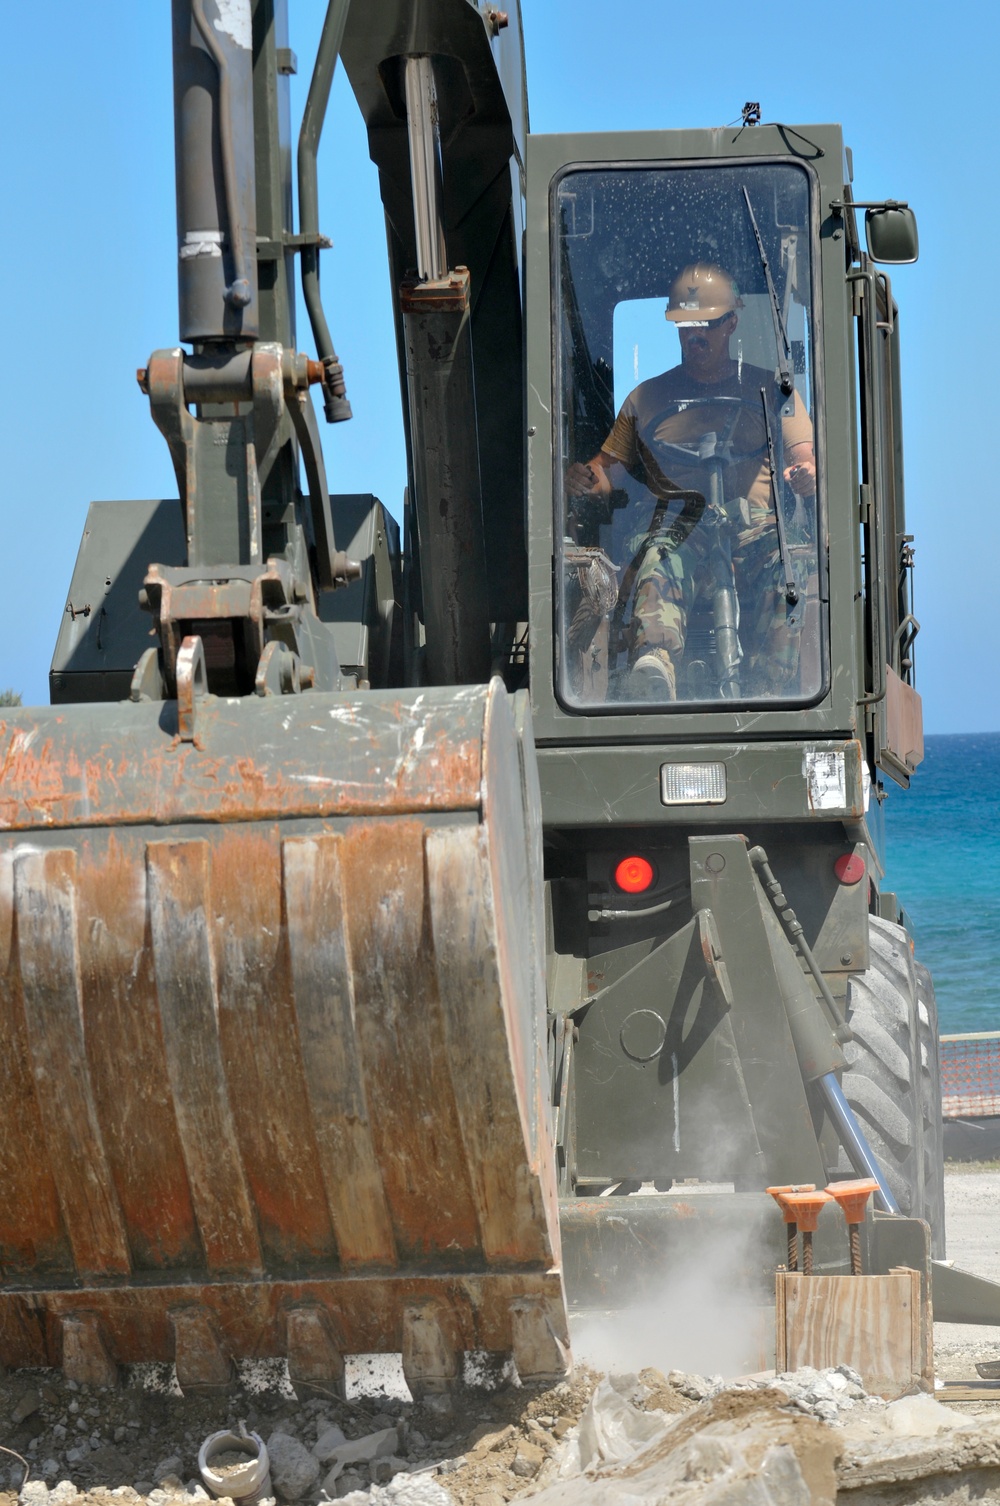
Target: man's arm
800, 455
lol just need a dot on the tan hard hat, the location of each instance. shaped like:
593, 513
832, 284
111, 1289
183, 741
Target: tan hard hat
702, 292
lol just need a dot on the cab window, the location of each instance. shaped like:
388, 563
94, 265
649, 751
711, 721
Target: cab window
688, 465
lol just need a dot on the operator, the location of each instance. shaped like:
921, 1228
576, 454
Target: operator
671, 563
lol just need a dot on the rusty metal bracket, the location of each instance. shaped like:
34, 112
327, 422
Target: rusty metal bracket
274, 250
278, 672
147, 680
192, 684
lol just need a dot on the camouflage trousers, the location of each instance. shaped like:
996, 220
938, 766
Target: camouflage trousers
673, 577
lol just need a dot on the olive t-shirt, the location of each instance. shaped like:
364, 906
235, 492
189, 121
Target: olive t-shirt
674, 409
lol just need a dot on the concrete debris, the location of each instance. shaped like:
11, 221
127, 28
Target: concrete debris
485, 1439
385, 1469
407, 1491
29, 1404
921, 1417
294, 1470
35, 1493
733, 1449
696, 1387
169, 1466
360, 1451
610, 1431
528, 1460
327, 1443
961, 1464
63, 1494
673, 1440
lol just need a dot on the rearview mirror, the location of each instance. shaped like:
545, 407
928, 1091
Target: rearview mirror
891, 233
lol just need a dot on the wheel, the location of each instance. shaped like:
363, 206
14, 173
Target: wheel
892, 1081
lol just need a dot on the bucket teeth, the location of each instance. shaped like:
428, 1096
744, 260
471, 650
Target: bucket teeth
314, 1356
430, 1361
85, 1356
202, 1363
539, 1353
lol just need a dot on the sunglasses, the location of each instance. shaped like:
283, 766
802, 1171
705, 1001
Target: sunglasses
704, 323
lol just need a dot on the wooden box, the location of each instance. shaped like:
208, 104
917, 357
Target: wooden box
879, 1325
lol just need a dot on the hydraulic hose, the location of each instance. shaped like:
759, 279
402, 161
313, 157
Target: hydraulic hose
335, 403
674, 895
859, 1152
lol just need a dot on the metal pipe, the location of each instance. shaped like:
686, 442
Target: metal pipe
422, 128
859, 1152
335, 404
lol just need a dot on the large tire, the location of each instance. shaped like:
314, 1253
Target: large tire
891, 1081
930, 1097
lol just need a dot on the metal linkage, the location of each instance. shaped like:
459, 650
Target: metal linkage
423, 130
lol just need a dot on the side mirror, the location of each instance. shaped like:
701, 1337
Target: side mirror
891, 233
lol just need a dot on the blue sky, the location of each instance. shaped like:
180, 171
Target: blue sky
89, 287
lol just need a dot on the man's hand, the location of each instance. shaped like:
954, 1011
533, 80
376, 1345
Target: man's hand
801, 473
583, 480
590, 478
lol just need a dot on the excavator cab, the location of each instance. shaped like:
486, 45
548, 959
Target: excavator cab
691, 571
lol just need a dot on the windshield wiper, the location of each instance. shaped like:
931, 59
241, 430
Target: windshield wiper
785, 380
791, 589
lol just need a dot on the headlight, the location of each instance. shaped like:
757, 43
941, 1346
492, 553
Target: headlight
692, 783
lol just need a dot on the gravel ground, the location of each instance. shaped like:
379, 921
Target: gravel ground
141, 1441
972, 1200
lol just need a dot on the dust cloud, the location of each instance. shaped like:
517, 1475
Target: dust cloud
705, 1316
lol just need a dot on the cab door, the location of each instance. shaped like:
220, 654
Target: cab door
893, 715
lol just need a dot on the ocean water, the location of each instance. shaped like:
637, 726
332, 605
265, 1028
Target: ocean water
943, 860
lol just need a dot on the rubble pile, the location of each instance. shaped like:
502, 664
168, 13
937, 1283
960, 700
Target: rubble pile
810, 1438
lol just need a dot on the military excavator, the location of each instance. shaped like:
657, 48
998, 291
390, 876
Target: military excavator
386, 960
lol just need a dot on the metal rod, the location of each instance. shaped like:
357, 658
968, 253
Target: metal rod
336, 405
239, 291
793, 930
791, 590
859, 1152
425, 167
782, 348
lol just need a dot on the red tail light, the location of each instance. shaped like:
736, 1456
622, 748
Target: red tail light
850, 869
634, 875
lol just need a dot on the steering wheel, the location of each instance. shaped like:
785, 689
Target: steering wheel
720, 446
